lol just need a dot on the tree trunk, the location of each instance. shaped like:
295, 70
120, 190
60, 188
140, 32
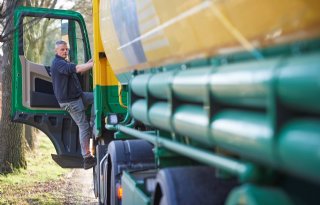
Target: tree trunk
12, 148
30, 134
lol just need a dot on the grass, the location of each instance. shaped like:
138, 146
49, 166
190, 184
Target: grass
39, 183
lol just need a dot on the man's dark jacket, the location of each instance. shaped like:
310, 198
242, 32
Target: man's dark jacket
65, 82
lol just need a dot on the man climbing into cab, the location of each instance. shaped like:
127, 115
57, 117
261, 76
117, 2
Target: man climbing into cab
68, 91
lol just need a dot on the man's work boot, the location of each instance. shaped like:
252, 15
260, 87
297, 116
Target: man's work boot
89, 162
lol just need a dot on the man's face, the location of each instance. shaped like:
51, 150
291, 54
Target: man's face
62, 51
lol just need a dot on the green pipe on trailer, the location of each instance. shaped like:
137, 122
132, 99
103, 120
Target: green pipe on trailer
191, 85
245, 171
139, 111
254, 195
160, 115
189, 120
159, 85
250, 83
300, 77
299, 148
192, 121
139, 85
275, 71
246, 133
245, 84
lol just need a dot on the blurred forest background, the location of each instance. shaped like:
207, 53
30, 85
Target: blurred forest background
17, 139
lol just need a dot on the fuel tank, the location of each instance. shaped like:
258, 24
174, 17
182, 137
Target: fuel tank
140, 34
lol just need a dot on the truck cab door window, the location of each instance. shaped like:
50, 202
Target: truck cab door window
39, 36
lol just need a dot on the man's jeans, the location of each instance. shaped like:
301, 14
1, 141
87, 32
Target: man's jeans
77, 110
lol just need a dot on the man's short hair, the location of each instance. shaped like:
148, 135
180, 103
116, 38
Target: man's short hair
60, 42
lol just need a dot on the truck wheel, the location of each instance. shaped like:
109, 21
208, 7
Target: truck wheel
101, 155
133, 155
103, 181
106, 182
95, 182
191, 185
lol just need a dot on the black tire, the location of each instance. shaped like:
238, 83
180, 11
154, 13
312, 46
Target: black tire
191, 185
106, 182
125, 155
95, 182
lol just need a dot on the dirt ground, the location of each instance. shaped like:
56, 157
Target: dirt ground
78, 188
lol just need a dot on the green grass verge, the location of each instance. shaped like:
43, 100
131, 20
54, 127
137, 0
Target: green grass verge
39, 183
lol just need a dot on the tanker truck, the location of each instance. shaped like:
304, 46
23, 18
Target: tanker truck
195, 101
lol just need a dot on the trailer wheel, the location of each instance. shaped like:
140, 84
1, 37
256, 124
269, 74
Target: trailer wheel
191, 185
130, 155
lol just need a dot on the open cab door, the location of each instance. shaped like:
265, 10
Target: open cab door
33, 100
